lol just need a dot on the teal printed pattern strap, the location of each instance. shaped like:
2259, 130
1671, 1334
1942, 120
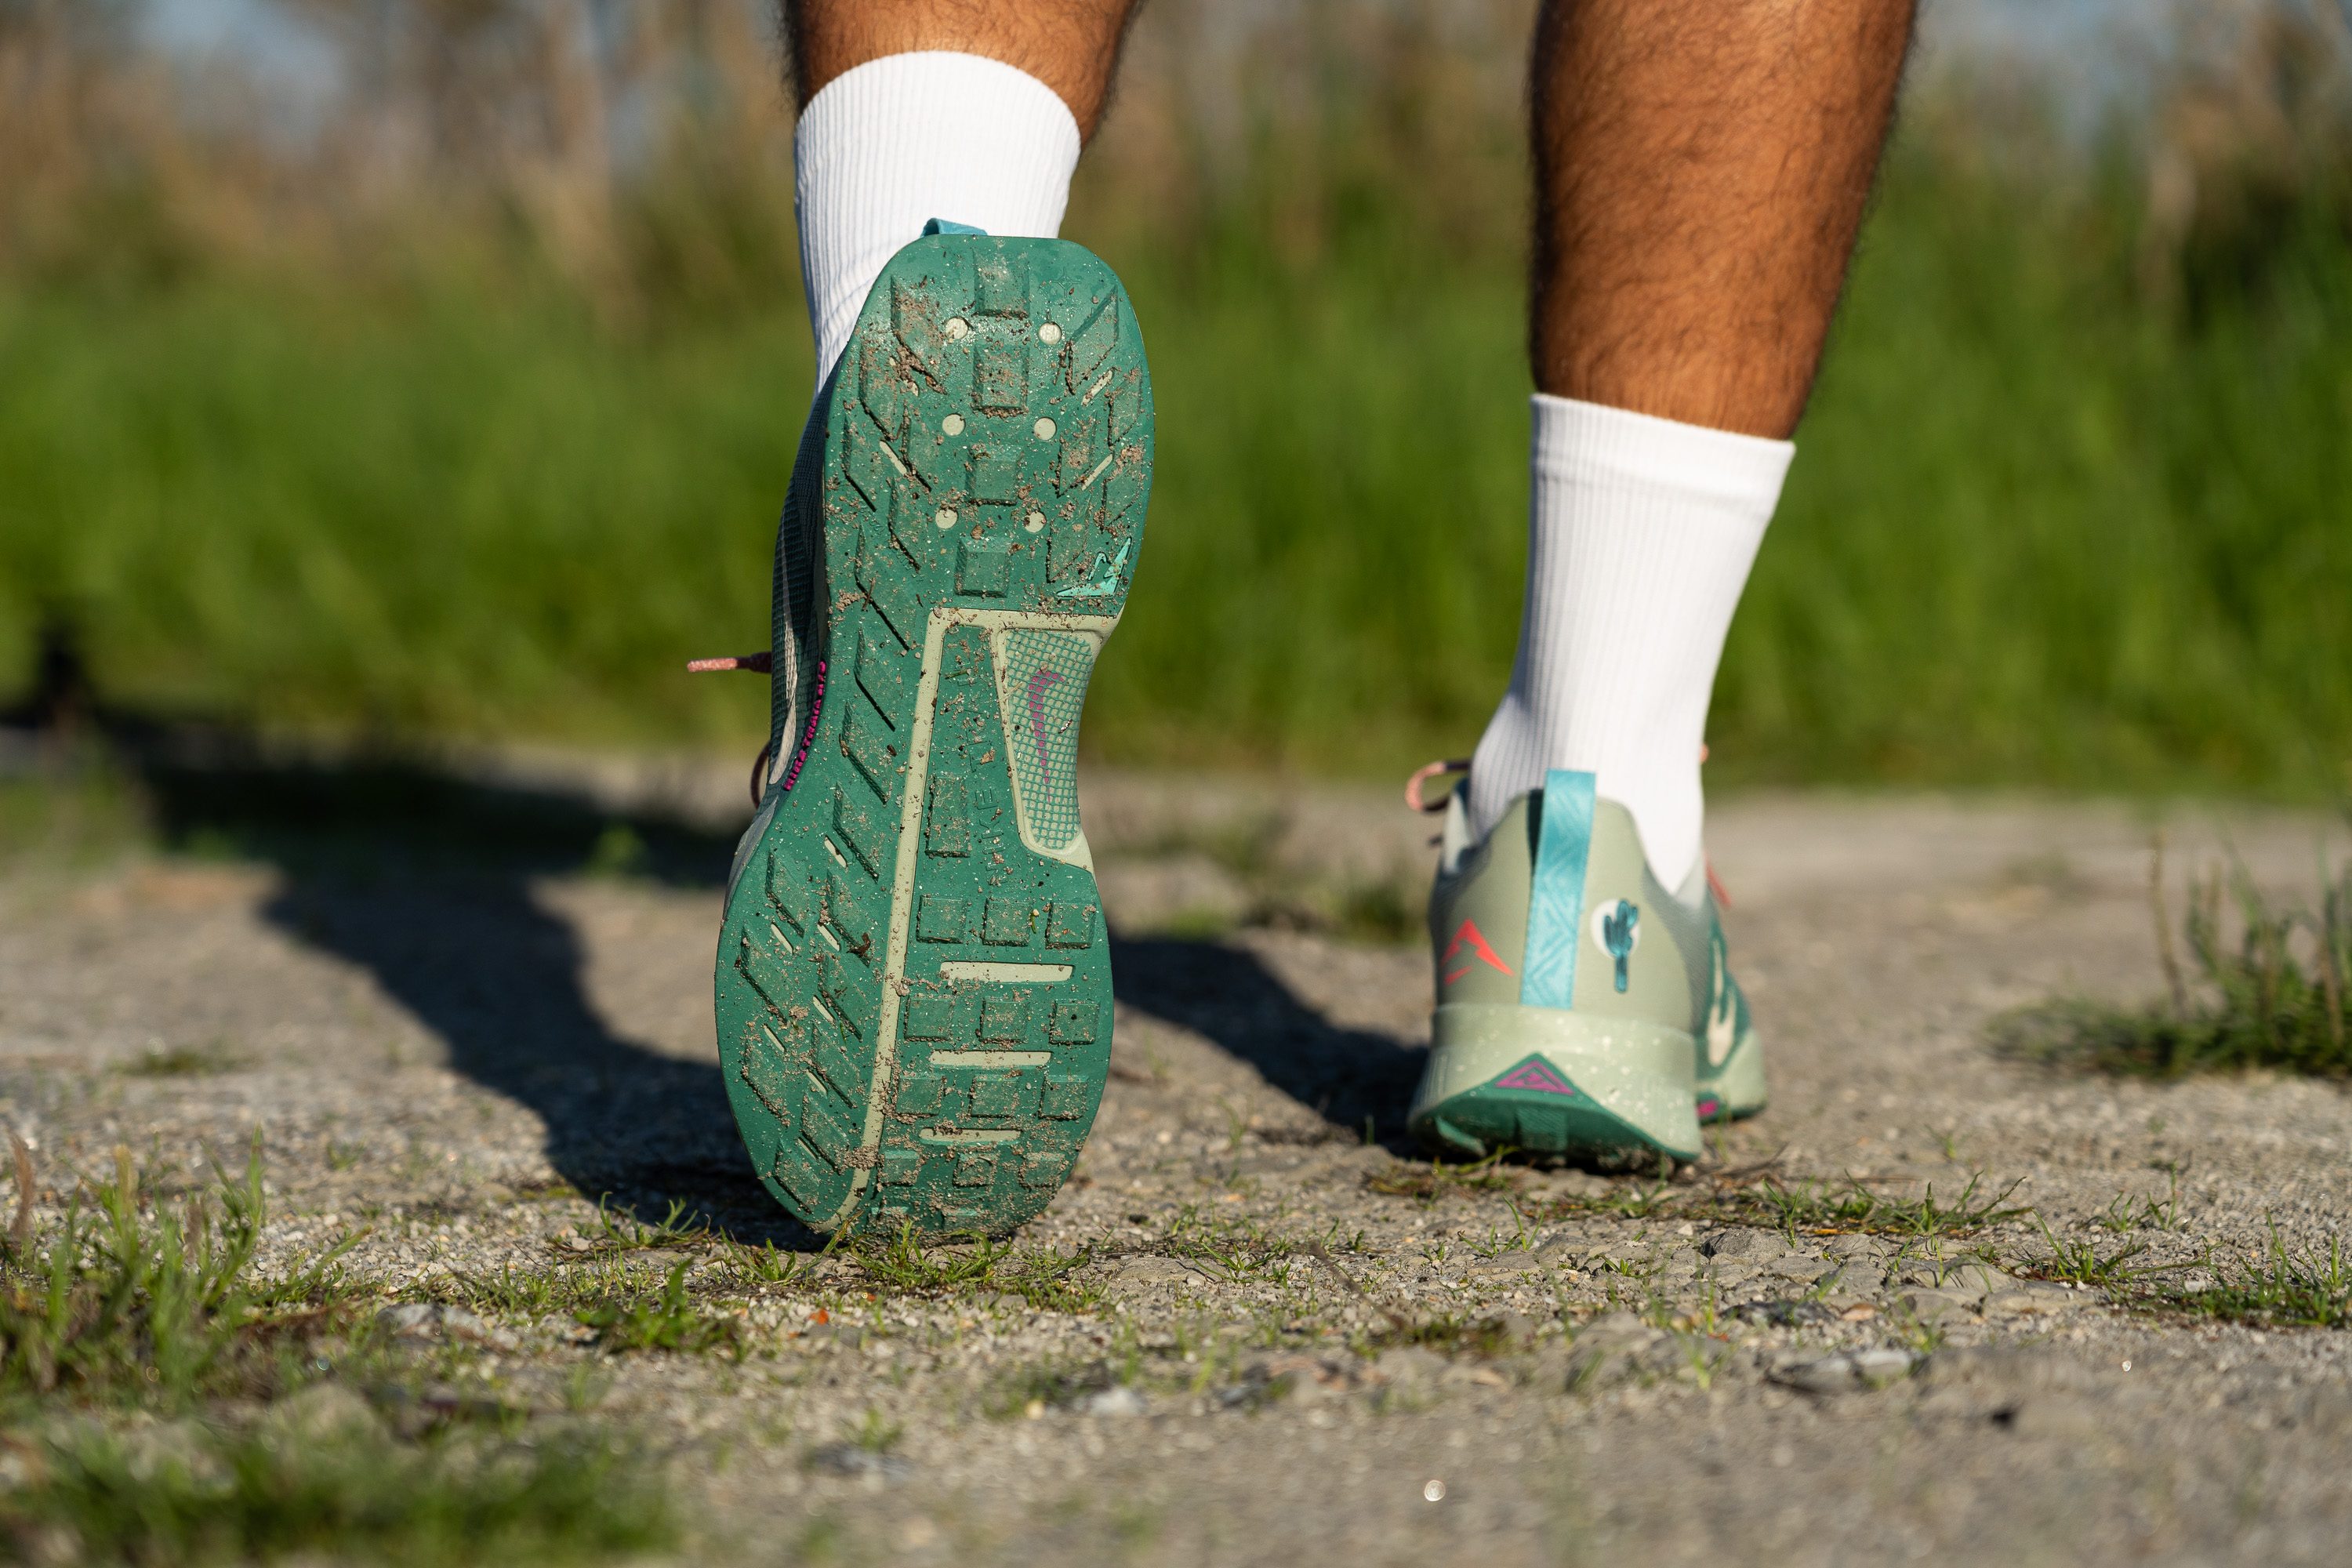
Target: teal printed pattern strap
1556, 907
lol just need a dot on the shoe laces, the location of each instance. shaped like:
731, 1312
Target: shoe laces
1413, 797
757, 664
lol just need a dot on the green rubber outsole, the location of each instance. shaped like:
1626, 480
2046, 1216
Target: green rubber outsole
913, 987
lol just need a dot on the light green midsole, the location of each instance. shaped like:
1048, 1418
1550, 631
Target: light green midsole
1640, 1071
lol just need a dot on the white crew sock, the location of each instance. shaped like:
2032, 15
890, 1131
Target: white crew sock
1641, 532
885, 147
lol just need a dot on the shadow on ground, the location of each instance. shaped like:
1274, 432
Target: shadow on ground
426, 880
429, 883
1350, 1077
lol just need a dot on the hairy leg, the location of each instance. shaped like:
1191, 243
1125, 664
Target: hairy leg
1702, 167
1071, 46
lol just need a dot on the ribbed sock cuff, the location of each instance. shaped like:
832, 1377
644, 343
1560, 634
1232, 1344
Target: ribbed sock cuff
1593, 443
1640, 534
896, 141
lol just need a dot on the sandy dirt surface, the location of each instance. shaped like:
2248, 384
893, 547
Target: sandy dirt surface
1274, 1333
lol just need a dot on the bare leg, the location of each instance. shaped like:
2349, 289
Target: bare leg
1701, 168
1071, 46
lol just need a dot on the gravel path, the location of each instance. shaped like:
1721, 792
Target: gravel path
1289, 1339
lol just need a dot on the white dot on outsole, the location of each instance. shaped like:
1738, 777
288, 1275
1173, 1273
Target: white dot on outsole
946, 518
1049, 334
957, 328
1044, 428
1037, 520
952, 424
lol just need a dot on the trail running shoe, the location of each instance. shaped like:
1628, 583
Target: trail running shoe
913, 986
1581, 1007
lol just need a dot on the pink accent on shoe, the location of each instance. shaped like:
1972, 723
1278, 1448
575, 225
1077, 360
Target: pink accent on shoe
808, 734
1715, 884
1469, 936
1538, 1077
1038, 684
1423, 775
758, 663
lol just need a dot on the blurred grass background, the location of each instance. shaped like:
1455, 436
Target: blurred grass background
457, 402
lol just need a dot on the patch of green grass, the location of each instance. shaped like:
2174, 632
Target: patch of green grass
623, 1232
1796, 1208
667, 1318
1497, 1243
1377, 911
2275, 997
185, 1061
629, 1308
2082, 1262
875, 1432
165, 1406
1278, 894
902, 1265
1635, 1199
1431, 1180
205, 1495
2275, 1289
130, 1299
2101, 554
2126, 1212
1233, 1248
75, 819
619, 853
749, 1266
1819, 1209
530, 1293
1450, 1333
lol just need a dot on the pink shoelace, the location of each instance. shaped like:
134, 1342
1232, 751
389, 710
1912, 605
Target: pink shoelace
757, 664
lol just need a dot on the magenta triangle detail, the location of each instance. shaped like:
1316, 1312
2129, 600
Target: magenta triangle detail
1536, 1074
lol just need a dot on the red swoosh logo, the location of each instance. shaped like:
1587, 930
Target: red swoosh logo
1469, 936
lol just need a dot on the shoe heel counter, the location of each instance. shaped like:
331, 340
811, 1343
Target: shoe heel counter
1478, 914
1634, 966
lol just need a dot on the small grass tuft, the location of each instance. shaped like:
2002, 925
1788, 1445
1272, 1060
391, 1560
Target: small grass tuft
2275, 1289
876, 1432
1450, 1333
1041, 1278
1232, 1247
131, 1301
2082, 1262
666, 1318
2274, 997
1795, 1208
184, 1061
1434, 1179
75, 819
2147, 1213
617, 1233
1815, 1208
219, 1496
163, 1405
